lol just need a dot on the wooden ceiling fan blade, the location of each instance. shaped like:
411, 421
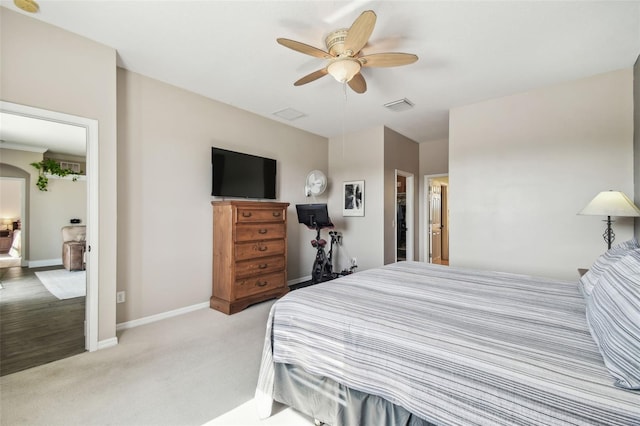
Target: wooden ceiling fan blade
387, 59
358, 83
304, 48
360, 31
311, 77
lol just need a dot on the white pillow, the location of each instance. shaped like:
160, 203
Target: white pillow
590, 279
613, 315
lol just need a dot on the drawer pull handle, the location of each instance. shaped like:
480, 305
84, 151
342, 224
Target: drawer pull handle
276, 214
261, 283
262, 231
246, 214
263, 266
263, 248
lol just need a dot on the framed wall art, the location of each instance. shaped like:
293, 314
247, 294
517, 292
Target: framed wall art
353, 196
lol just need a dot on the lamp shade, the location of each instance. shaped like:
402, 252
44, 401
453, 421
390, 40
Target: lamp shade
344, 69
611, 203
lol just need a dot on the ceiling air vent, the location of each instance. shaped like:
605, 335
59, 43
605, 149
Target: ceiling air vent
399, 105
289, 114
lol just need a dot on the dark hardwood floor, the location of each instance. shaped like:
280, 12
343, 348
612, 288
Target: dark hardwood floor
35, 327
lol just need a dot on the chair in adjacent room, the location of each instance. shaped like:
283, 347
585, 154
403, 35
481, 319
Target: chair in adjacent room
73, 247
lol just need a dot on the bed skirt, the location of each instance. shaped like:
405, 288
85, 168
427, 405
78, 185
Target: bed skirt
326, 400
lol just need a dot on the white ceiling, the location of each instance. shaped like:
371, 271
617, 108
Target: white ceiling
469, 52
26, 133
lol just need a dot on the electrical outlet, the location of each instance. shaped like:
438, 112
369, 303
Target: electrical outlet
121, 297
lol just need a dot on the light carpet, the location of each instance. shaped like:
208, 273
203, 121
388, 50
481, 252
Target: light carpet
246, 415
64, 284
181, 371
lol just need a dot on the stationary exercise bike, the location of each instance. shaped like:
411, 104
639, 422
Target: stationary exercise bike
322, 265
316, 216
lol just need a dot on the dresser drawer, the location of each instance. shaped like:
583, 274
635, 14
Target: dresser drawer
265, 231
251, 214
249, 286
251, 250
264, 265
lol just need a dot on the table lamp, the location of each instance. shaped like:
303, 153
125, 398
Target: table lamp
610, 203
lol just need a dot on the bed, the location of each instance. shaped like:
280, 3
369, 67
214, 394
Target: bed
418, 344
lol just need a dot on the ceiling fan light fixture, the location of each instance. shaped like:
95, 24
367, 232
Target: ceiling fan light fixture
27, 5
344, 69
344, 49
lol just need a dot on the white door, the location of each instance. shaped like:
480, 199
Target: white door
435, 225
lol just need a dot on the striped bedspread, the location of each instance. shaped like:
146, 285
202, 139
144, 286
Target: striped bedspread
452, 346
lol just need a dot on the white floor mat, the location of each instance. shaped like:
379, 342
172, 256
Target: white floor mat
64, 284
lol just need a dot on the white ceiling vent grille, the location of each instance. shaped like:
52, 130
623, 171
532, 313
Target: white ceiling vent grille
289, 114
399, 105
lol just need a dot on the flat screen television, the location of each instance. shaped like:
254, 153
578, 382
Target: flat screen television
235, 174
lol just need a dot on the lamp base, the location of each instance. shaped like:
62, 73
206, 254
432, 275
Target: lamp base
609, 236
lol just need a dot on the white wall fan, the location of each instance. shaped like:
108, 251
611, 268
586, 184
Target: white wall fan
315, 184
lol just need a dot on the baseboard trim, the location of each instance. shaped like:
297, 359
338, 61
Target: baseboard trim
43, 263
157, 317
108, 343
164, 315
298, 280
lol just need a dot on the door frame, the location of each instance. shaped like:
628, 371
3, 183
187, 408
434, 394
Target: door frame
92, 253
427, 214
409, 219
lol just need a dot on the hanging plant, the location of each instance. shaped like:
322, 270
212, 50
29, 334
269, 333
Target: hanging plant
52, 167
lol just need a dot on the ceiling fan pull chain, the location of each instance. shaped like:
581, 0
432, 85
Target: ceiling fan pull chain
344, 115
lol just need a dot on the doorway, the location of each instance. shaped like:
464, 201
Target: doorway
12, 210
404, 216
89, 128
437, 219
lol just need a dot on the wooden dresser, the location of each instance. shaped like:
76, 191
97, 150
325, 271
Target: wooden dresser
249, 253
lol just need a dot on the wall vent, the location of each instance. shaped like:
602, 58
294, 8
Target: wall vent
74, 167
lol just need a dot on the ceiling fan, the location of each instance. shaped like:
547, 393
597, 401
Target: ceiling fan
344, 54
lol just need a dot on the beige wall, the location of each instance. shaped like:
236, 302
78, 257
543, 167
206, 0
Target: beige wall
358, 156
372, 155
165, 135
400, 153
50, 211
434, 160
522, 166
10, 198
46, 67
434, 157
